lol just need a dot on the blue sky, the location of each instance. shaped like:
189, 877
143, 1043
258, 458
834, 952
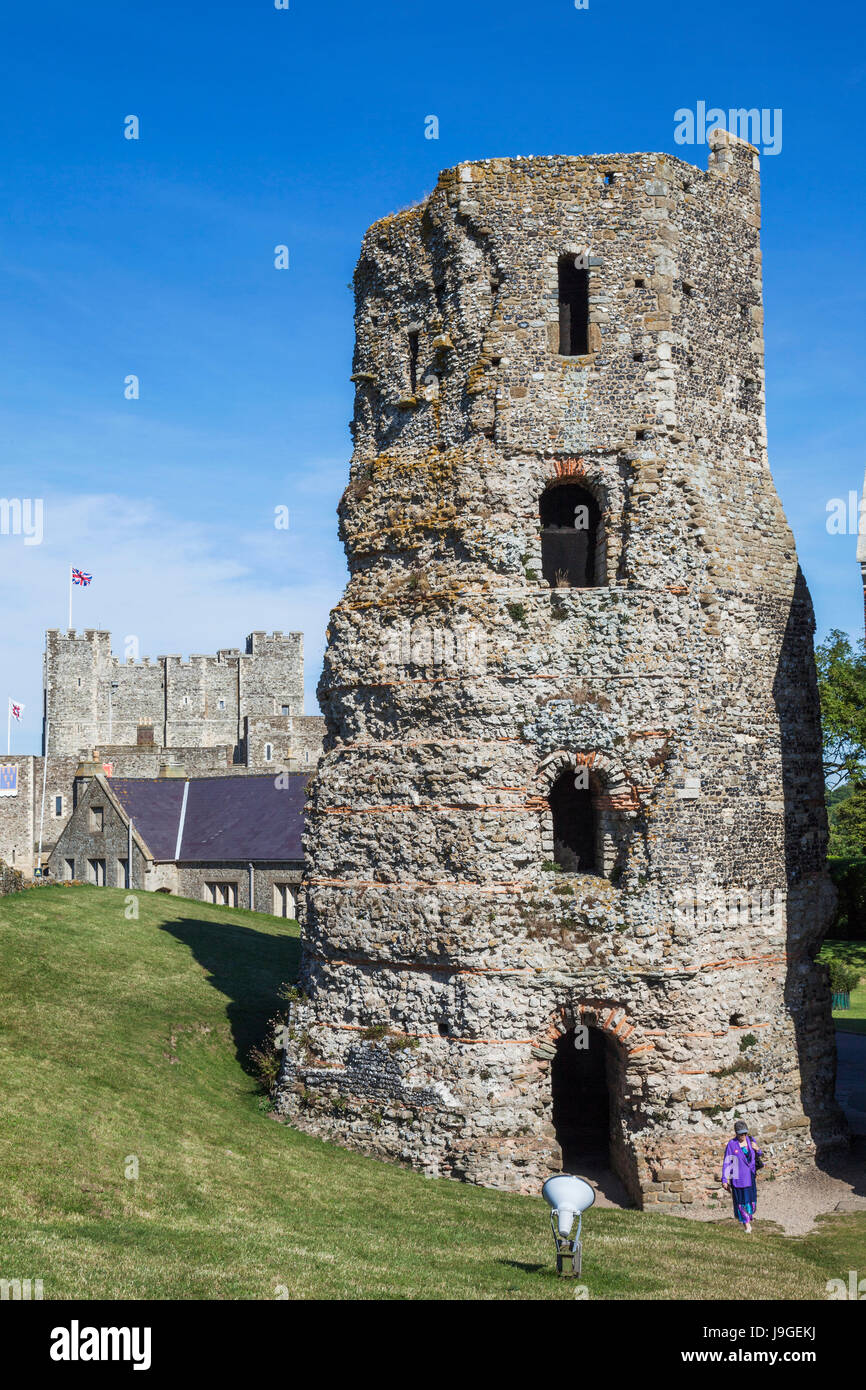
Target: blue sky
260, 127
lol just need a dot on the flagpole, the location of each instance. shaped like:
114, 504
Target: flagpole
44, 780
9, 725
70, 599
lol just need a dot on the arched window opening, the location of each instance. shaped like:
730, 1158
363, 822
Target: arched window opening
574, 824
581, 1100
573, 308
570, 518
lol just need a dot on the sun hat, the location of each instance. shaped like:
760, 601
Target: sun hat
741, 1127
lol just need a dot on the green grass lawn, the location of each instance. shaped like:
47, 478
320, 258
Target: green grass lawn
124, 1038
851, 1020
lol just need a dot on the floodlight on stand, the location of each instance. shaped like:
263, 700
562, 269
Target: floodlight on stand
568, 1197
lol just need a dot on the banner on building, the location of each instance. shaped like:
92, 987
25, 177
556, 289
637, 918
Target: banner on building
8, 779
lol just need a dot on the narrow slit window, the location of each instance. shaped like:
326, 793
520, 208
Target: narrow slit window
573, 308
413, 360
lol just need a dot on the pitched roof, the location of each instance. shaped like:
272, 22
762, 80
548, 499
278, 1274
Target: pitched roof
250, 818
154, 809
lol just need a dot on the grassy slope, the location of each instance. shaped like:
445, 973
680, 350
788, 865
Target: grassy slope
851, 1020
120, 1037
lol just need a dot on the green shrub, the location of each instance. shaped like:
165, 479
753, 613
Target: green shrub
843, 978
375, 1033
265, 1066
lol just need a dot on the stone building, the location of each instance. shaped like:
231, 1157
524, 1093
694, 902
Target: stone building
565, 852
234, 841
235, 700
228, 714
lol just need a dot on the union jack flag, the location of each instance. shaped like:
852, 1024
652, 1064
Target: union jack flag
79, 577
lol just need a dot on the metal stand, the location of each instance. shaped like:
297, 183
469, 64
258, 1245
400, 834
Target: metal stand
568, 1251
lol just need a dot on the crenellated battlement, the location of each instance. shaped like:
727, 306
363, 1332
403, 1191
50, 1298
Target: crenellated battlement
93, 697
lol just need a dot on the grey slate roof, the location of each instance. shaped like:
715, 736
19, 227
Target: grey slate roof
248, 818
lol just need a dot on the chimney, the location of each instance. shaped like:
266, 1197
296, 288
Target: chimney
85, 771
172, 769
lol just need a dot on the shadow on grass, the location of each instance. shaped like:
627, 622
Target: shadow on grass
247, 966
518, 1264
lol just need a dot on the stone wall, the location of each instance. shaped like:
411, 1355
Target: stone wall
293, 744
82, 843
193, 878
20, 815
448, 963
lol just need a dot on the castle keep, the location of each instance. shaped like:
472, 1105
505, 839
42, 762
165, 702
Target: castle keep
229, 713
233, 700
565, 875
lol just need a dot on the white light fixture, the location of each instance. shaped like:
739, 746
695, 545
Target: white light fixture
567, 1197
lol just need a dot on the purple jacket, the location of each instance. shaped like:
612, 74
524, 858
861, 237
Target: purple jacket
736, 1169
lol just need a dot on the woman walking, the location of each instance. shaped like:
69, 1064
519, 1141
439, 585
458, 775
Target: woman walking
739, 1169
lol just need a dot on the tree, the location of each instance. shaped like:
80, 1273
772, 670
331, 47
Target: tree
842, 687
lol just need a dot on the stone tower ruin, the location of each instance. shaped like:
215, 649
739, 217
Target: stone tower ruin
565, 878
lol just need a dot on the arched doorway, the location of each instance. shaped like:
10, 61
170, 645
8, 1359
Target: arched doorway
581, 1085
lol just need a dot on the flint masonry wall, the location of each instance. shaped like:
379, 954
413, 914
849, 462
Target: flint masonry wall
458, 686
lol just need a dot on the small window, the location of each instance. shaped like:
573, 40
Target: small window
69, 869
284, 901
574, 829
97, 818
122, 881
570, 519
96, 872
573, 308
185, 700
285, 709
610, 177
413, 360
221, 704
223, 894
58, 805
269, 752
